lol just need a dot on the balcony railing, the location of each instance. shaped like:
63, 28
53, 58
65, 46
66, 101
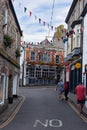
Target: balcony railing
69, 57
76, 52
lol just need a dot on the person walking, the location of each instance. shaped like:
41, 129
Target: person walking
66, 90
60, 89
80, 91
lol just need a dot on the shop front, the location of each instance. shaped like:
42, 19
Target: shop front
75, 74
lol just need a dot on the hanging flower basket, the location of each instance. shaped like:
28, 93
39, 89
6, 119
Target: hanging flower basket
7, 40
17, 53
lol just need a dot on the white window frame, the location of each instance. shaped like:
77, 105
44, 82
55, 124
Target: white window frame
34, 57
78, 40
16, 39
2, 88
6, 87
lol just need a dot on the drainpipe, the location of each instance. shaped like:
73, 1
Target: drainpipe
82, 25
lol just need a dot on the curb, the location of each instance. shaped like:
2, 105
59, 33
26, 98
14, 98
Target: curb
83, 115
8, 118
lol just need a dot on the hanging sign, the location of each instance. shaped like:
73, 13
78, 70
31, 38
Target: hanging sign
78, 65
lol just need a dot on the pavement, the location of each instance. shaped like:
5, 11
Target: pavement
13, 108
72, 99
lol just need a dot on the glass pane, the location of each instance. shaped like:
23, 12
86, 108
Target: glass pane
33, 56
1, 88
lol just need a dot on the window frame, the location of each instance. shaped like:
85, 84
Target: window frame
32, 58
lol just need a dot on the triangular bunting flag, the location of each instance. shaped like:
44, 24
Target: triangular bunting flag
25, 9
39, 20
30, 13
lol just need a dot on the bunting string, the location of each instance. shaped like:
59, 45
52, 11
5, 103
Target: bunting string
49, 25
36, 18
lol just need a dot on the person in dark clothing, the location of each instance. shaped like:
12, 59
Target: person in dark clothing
66, 90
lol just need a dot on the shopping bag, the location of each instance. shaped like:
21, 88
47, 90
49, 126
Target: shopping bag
86, 104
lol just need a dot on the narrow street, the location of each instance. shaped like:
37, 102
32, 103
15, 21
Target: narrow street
42, 110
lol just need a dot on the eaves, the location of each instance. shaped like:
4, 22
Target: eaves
79, 21
14, 15
71, 10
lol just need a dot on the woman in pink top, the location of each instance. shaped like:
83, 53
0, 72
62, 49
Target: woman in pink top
80, 91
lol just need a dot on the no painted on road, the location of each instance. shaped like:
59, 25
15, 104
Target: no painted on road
48, 123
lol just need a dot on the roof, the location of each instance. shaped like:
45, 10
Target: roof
79, 21
14, 15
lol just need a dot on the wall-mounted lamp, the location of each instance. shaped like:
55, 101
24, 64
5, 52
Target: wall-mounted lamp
4, 25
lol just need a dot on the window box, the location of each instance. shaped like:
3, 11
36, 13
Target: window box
18, 53
7, 40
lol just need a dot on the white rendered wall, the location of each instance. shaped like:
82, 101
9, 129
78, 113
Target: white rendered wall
84, 58
15, 84
65, 49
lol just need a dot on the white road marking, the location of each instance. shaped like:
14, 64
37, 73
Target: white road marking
39, 122
49, 123
55, 123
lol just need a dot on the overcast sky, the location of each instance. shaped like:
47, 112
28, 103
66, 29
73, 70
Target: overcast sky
39, 18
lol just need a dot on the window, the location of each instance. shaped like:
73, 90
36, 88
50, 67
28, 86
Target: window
78, 40
57, 58
16, 39
45, 57
73, 42
40, 57
5, 21
6, 87
27, 71
1, 88
33, 56
31, 74
52, 72
45, 73
38, 72
49, 58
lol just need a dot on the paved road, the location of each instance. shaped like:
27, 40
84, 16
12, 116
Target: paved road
42, 110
